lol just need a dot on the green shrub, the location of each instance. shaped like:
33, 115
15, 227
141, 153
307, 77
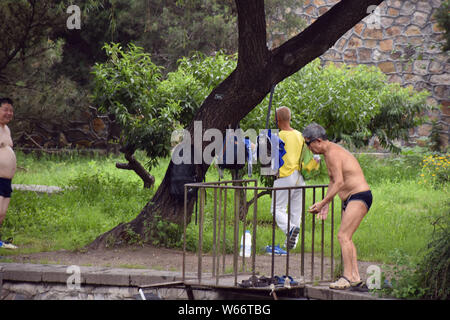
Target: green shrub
434, 269
435, 170
162, 233
125, 87
404, 280
351, 103
425, 276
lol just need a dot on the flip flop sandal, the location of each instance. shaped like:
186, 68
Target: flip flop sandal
359, 286
245, 284
250, 282
342, 284
261, 282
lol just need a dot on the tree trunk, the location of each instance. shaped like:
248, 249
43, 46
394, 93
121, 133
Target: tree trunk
258, 69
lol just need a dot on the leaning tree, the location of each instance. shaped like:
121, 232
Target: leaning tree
258, 69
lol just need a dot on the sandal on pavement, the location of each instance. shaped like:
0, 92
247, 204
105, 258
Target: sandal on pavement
254, 281
342, 284
245, 284
359, 286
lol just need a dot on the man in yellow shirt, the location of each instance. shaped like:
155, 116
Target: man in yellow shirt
289, 176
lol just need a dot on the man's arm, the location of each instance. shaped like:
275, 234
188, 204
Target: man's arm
9, 136
334, 165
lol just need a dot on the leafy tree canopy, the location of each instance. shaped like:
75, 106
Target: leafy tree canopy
125, 87
352, 103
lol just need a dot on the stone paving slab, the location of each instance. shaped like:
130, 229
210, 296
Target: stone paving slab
37, 188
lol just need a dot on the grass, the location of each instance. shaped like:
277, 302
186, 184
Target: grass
400, 218
102, 198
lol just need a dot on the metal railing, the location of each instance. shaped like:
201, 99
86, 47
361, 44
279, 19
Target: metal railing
220, 190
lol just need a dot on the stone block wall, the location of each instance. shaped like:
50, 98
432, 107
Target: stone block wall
88, 131
403, 39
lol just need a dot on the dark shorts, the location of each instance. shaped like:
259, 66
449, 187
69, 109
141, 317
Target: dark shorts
5, 187
365, 196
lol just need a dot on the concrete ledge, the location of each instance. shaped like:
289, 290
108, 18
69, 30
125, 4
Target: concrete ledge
22, 272
96, 281
323, 292
19, 272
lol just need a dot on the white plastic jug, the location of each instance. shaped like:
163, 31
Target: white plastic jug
248, 244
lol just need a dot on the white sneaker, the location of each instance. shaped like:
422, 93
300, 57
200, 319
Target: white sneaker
7, 245
291, 241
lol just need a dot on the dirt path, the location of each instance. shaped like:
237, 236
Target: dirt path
148, 257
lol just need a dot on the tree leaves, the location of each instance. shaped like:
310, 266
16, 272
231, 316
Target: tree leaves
352, 103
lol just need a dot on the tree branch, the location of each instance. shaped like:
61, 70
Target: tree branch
136, 166
318, 37
22, 43
259, 195
253, 51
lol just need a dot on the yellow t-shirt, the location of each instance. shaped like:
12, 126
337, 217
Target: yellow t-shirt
293, 144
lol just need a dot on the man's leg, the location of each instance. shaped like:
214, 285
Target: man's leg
4, 203
296, 203
351, 218
281, 217
355, 271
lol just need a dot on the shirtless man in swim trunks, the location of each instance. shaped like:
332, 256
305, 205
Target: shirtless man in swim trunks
7, 157
347, 180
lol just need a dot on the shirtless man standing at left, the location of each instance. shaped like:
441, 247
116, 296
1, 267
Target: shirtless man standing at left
7, 161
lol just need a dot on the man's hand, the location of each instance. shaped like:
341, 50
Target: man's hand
321, 209
323, 214
316, 207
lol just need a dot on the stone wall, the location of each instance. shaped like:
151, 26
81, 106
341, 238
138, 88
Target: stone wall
50, 282
89, 131
403, 39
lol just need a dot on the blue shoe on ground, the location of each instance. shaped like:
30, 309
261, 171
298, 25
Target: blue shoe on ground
277, 250
292, 282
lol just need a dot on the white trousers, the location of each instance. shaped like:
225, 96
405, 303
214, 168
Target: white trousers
281, 216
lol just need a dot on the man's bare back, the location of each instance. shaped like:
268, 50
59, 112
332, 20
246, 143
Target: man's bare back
352, 174
346, 180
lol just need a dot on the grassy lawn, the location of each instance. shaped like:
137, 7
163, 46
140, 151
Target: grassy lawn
400, 218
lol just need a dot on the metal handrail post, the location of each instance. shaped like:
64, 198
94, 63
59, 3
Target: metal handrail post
255, 213
313, 226
214, 234
272, 270
302, 264
184, 233
288, 231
